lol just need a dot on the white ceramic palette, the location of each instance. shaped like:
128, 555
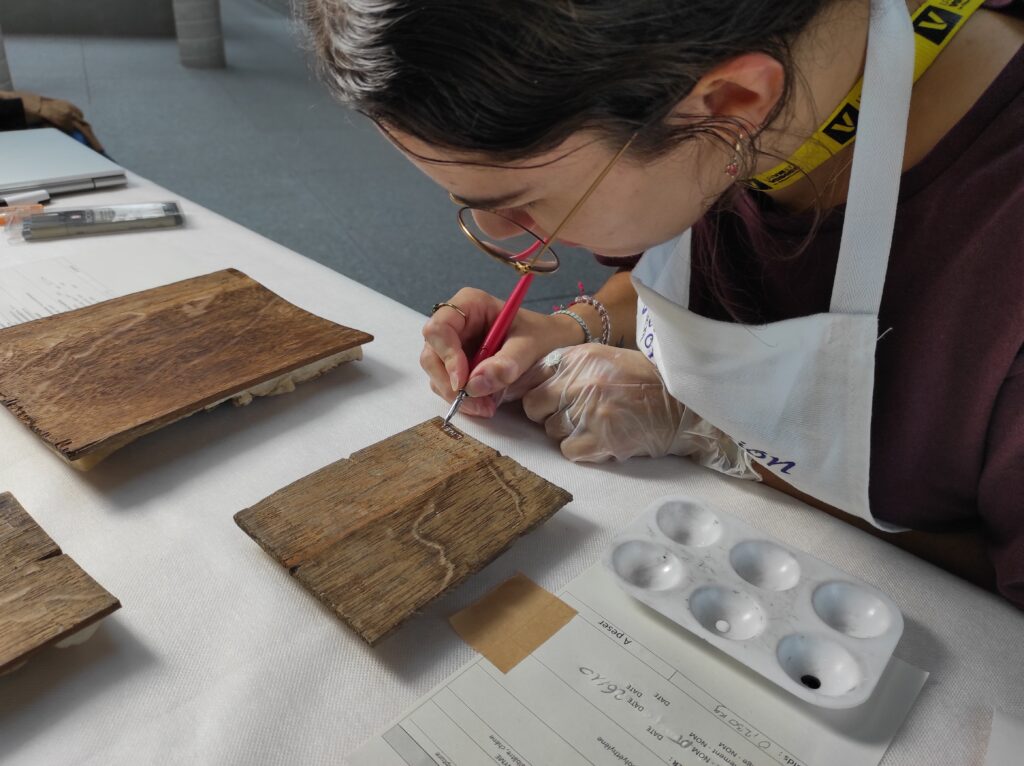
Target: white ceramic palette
817, 632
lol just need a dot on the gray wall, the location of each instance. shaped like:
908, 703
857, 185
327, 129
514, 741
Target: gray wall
137, 18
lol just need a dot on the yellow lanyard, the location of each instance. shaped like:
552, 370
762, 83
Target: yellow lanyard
935, 24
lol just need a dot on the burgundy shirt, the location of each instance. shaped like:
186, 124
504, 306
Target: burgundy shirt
948, 410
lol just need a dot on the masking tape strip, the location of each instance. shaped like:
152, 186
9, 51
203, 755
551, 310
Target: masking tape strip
511, 621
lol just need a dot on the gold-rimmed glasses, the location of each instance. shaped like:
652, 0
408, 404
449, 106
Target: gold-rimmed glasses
525, 251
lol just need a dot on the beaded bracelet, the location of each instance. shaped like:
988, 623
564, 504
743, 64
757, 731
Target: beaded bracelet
587, 337
606, 320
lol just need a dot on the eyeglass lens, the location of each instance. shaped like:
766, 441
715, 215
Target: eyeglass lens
518, 243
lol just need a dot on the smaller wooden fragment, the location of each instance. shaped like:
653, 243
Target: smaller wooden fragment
44, 595
508, 624
379, 535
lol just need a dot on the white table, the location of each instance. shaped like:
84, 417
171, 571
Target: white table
219, 657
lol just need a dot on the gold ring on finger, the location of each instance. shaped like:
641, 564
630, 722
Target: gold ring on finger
449, 305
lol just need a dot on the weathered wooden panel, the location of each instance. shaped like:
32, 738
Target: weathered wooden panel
22, 541
44, 595
377, 536
91, 380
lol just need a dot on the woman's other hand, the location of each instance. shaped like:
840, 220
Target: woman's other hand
603, 403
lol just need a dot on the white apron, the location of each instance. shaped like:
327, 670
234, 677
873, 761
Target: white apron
797, 394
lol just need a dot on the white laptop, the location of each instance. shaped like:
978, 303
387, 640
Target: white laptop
45, 158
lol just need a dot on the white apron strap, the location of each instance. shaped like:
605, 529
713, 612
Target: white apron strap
877, 162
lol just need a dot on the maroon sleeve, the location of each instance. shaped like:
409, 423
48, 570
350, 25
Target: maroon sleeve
1010, 5
1001, 492
1013, 7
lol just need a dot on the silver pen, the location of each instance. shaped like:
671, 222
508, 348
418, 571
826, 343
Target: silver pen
454, 408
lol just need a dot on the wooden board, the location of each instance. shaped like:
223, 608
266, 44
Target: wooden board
91, 380
44, 595
379, 535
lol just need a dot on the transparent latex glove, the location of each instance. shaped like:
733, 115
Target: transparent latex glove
603, 403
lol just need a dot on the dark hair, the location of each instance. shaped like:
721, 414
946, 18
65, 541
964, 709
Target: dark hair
514, 78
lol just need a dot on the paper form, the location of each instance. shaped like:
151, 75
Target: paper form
621, 685
51, 285
33, 290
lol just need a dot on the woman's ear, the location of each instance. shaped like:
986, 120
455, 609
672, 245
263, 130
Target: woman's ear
745, 88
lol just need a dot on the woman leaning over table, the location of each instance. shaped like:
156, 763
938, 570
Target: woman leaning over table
852, 318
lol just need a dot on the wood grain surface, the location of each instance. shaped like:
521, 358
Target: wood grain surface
377, 536
44, 595
91, 380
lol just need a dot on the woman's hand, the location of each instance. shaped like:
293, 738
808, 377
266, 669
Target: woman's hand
450, 339
601, 402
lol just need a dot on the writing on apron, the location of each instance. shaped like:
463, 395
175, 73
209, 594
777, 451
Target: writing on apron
779, 464
645, 331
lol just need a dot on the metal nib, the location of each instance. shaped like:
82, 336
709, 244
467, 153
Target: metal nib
454, 408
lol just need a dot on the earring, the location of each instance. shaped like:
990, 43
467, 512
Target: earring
733, 168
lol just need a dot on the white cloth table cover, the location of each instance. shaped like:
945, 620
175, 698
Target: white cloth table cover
219, 657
